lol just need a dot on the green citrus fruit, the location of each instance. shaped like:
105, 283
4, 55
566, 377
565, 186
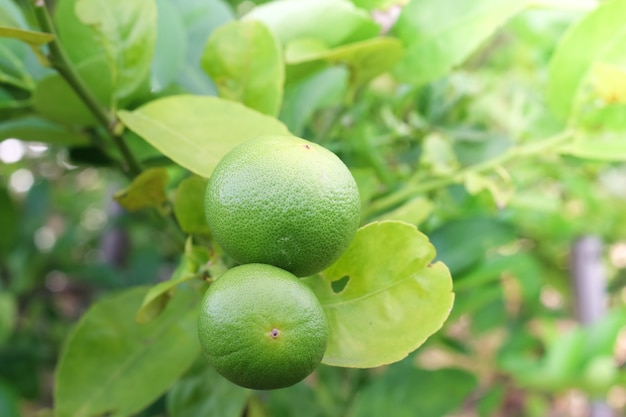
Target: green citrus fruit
283, 201
261, 327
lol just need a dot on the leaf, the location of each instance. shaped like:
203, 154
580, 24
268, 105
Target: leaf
119, 33
602, 36
170, 47
30, 37
245, 62
463, 242
8, 315
610, 82
52, 90
414, 211
332, 22
110, 364
439, 34
195, 132
391, 286
189, 205
9, 401
146, 190
365, 59
37, 129
302, 99
405, 391
205, 393
612, 149
10, 220
159, 295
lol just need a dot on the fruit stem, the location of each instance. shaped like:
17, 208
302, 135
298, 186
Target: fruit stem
58, 60
409, 191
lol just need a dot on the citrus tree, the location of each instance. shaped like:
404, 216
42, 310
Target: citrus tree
308, 207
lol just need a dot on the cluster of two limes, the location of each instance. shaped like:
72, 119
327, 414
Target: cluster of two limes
284, 208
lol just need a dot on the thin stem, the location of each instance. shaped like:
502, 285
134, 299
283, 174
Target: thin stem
411, 190
59, 60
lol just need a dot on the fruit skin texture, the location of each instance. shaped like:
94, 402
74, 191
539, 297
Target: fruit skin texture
261, 327
283, 201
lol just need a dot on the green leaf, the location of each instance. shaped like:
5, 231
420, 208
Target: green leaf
146, 190
379, 4
195, 132
365, 59
9, 221
332, 22
37, 129
121, 34
9, 401
30, 37
602, 37
391, 286
439, 34
205, 393
414, 211
244, 60
189, 205
405, 391
110, 364
611, 150
53, 90
171, 45
8, 314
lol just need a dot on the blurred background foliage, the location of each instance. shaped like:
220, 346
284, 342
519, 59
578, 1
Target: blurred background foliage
512, 346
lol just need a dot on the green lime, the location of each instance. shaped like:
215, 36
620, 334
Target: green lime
283, 201
261, 327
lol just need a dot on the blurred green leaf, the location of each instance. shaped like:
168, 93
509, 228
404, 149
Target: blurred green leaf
9, 404
195, 132
414, 211
146, 190
601, 36
9, 221
611, 149
245, 62
405, 391
189, 205
297, 400
378, 4
56, 100
36, 129
440, 34
206, 393
126, 31
391, 286
170, 47
28, 36
292, 19
463, 243
112, 365
8, 315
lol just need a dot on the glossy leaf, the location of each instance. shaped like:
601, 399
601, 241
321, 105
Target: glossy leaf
30, 37
146, 190
602, 37
189, 205
405, 391
206, 393
244, 60
111, 365
195, 132
394, 299
292, 19
37, 129
440, 34
613, 149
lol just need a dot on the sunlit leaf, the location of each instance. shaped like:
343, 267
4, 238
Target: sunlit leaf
393, 300
601, 36
195, 132
440, 34
111, 365
245, 62
146, 190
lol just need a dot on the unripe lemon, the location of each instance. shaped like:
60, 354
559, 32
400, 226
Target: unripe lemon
283, 201
261, 327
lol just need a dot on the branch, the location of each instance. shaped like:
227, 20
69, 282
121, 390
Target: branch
58, 60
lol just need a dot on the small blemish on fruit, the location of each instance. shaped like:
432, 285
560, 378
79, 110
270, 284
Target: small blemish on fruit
307, 146
274, 333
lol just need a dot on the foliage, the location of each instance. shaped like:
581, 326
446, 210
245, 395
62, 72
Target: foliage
485, 137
